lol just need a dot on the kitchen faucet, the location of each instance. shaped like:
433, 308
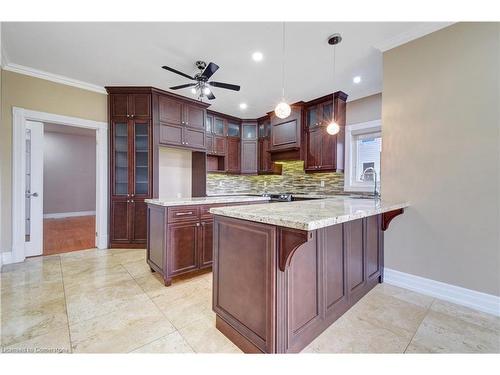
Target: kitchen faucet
371, 170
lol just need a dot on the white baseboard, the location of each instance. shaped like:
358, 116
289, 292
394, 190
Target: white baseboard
461, 296
60, 215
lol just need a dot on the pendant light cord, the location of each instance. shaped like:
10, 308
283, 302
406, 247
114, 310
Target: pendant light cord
283, 63
333, 95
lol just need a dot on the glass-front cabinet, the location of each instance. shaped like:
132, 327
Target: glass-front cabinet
141, 156
121, 162
219, 126
233, 129
248, 131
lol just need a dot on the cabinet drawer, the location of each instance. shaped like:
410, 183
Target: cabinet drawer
182, 213
205, 210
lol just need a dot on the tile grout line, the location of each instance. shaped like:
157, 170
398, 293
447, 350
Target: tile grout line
66, 305
162, 313
426, 313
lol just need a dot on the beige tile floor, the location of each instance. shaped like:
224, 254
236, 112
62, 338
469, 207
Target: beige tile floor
109, 301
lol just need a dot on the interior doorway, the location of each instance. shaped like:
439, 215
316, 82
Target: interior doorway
69, 188
29, 195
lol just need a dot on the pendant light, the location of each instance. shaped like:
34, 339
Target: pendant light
283, 110
333, 128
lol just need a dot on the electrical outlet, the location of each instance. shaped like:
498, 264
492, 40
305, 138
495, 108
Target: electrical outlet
322, 183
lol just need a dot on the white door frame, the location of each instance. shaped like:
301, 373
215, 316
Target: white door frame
19, 117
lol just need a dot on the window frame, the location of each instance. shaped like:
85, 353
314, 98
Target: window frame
350, 182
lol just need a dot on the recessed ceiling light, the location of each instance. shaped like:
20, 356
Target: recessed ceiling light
243, 106
257, 56
356, 79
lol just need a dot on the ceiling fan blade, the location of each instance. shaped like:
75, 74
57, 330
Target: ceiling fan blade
223, 85
211, 96
210, 70
177, 72
182, 86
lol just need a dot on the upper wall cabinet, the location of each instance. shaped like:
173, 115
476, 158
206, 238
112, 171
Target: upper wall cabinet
249, 147
130, 105
325, 152
286, 135
177, 112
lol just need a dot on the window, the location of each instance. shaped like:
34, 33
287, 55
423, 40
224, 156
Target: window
363, 149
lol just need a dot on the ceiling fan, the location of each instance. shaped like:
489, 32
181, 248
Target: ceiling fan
201, 86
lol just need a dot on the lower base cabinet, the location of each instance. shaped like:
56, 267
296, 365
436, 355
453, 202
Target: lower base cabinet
180, 239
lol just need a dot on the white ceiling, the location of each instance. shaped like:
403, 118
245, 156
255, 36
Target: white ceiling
108, 54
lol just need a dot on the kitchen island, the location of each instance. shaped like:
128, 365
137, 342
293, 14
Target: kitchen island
179, 238
285, 272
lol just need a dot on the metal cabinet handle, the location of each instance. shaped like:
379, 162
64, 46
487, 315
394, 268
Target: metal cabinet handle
131, 201
29, 194
183, 213
197, 224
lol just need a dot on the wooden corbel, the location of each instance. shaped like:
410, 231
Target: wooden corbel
388, 216
289, 240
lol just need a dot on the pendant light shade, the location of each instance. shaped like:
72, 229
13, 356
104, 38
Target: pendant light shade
333, 128
283, 109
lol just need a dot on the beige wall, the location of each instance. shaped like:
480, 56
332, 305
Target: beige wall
441, 147
40, 95
365, 109
174, 173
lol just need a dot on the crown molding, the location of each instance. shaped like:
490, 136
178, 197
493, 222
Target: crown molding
26, 70
415, 33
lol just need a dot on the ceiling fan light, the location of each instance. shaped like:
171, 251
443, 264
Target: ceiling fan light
206, 90
193, 90
332, 128
282, 110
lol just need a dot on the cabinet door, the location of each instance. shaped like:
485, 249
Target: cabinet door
171, 134
182, 247
119, 105
312, 117
326, 113
210, 143
120, 161
265, 163
328, 150
170, 110
209, 124
285, 135
355, 254
138, 214
219, 126
249, 156
313, 149
233, 155
220, 145
249, 131
119, 221
194, 138
233, 129
195, 116
206, 243
373, 249
139, 105
141, 158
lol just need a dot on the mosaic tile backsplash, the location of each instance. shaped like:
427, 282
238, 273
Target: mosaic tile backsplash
292, 180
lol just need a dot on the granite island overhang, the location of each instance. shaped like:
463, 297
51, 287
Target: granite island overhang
284, 272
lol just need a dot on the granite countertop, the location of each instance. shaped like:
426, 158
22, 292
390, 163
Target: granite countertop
204, 200
310, 215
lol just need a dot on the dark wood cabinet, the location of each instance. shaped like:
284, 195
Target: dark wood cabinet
220, 145
130, 105
233, 158
325, 152
301, 282
180, 238
249, 147
206, 243
130, 168
183, 245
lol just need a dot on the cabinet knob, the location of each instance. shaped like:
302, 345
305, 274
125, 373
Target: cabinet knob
197, 224
131, 201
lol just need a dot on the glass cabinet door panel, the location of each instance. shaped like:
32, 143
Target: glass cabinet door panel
327, 113
141, 158
233, 130
262, 131
219, 126
121, 158
209, 124
249, 132
312, 117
